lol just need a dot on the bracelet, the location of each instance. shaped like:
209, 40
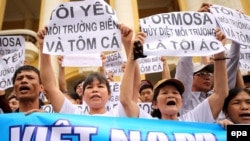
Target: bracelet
218, 59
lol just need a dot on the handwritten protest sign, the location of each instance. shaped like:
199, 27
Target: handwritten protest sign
88, 26
115, 95
150, 64
180, 34
235, 24
114, 63
12, 56
82, 60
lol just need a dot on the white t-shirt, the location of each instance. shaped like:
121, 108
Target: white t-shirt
117, 111
201, 113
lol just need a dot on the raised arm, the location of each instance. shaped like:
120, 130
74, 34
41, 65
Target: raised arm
233, 64
204, 7
137, 76
102, 69
127, 87
53, 93
137, 82
239, 80
166, 72
216, 100
61, 76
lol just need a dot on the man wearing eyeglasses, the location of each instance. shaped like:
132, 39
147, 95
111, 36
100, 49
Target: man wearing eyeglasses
203, 79
198, 78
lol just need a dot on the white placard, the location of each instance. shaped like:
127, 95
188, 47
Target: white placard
235, 24
82, 60
114, 63
150, 64
180, 34
12, 57
81, 27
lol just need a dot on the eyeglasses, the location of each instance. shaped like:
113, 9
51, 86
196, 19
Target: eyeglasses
204, 74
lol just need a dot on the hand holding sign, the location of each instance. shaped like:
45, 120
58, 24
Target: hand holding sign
40, 36
225, 122
204, 7
180, 34
138, 45
235, 24
104, 59
220, 36
127, 34
60, 60
88, 26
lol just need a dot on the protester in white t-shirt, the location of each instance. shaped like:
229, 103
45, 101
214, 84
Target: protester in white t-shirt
167, 98
96, 90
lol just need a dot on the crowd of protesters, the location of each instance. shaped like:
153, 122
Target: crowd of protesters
200, 92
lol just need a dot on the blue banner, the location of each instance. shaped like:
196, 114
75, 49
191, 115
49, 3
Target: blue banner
68, 127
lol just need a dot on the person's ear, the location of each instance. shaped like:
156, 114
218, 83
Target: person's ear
42, 88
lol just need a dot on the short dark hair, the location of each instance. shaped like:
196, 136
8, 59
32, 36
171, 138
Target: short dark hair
145, 84
74, 95
26, 68
11, 97
99, 77
232, 94
77, 83
156, 112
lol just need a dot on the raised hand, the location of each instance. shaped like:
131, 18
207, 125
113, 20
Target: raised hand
59, 59
220, 36
204, 7
40, 36
127, 34
138, 45
103, 58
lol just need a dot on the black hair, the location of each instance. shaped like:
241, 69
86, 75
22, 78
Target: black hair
11, 97
156, 112
99, 77
26, 68
74, 95
145, 84
145, 87
77, 83
232, 94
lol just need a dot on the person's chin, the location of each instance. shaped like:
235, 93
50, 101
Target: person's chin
172, 111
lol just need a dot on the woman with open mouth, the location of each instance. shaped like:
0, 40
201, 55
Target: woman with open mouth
237, 107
